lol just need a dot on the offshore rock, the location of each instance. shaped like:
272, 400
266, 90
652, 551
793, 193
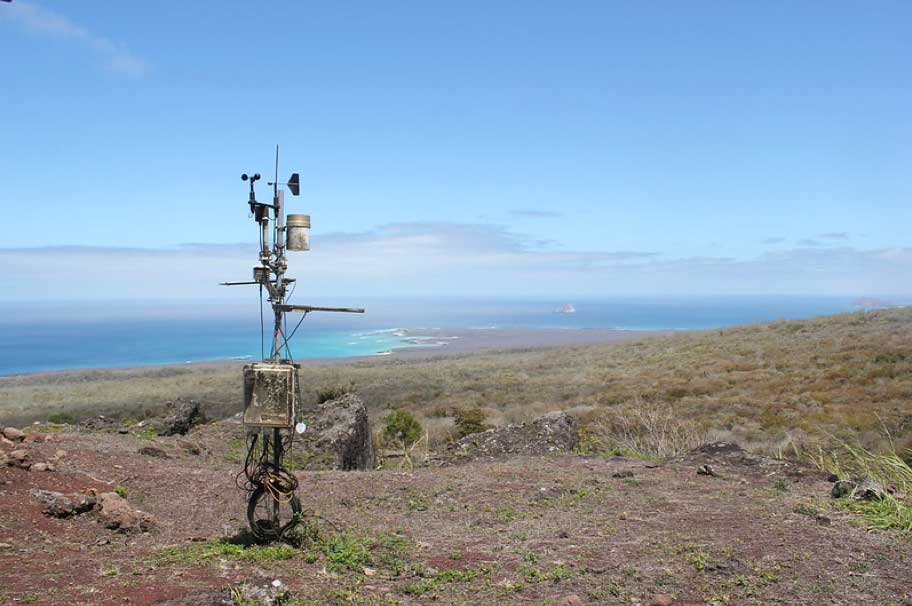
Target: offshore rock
555, 432
338, 436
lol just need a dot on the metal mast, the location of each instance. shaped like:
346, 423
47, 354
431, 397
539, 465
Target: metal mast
271, 387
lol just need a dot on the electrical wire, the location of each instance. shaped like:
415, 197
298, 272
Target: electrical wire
260, 471
288, 338
294, 285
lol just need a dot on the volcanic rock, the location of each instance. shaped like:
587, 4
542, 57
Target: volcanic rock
116, 514
59, 505
186, 415
14, 435
338, 435
843, 488
19, 458
553, 433
869, 490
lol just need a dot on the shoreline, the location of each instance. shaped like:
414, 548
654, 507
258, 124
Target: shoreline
421, 343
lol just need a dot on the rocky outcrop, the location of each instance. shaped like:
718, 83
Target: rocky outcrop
862, 490
13, 435
59, 505
20, 458
338, 435
185, 415
116, 514
113, 510
553, 433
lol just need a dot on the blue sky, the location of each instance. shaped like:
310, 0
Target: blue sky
478, 148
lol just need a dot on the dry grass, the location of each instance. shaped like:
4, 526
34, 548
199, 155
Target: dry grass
770, 387
650, 429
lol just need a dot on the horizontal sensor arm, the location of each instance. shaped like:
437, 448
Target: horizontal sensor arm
309, 308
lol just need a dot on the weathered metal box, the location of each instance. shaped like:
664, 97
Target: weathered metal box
269, 394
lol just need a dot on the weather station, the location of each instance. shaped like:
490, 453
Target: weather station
272, 391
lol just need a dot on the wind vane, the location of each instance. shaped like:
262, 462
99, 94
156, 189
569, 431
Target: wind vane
271, 387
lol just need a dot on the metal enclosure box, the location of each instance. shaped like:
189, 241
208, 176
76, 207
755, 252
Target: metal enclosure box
269, 394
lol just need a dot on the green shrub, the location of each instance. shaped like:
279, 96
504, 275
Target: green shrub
402, 427
62, 418
469, 421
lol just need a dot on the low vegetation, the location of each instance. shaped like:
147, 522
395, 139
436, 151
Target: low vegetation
401, 428
776, 388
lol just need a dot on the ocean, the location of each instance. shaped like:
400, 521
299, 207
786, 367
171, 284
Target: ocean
128, 333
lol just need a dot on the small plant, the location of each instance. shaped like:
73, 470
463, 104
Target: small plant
888, 513
561, 573
506, 514
457, 576
224, 549
62, 418
469, 421
531, 557
121, 491
419, 588
147, 434
531, 574
402, 428
346, 552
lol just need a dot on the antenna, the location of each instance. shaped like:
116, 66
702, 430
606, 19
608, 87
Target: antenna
271, 387
275, 183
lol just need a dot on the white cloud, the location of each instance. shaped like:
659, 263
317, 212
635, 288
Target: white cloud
39, 20
428, 259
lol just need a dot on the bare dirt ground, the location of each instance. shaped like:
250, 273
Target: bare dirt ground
554, 530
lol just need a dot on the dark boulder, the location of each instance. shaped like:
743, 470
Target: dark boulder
842, 489
185, 416
59, 505
338, 436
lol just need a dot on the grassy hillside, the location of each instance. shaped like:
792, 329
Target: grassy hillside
767, 386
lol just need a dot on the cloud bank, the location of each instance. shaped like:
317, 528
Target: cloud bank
447, 259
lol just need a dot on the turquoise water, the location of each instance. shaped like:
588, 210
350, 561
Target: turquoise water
80, 335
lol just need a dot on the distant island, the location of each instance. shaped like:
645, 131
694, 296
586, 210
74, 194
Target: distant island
565, 309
